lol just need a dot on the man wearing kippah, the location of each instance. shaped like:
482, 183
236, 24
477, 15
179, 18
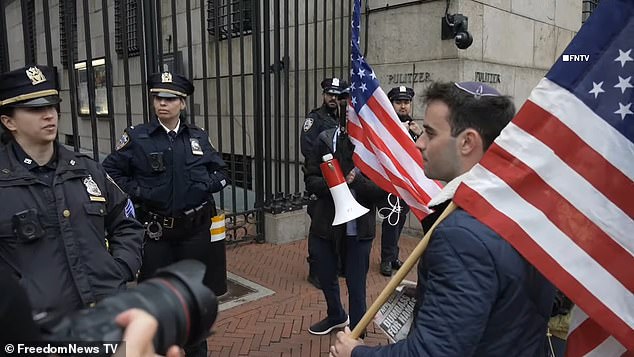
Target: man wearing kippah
58, 206
476, 295
170, 169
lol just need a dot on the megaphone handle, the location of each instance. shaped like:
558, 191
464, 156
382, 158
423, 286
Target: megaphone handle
408, 264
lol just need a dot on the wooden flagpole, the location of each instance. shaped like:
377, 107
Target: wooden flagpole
400, 275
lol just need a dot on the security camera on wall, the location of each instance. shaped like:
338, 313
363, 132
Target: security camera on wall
456, 27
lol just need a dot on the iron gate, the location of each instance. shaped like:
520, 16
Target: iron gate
256, 66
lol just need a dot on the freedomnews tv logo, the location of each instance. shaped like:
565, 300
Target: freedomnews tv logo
576, 58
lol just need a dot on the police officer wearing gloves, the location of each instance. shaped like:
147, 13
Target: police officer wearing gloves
352, 240
57, 204
394, 209
318, 120
171, 170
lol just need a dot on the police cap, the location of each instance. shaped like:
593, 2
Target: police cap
400, 93
170, 85
30, 86
333, 85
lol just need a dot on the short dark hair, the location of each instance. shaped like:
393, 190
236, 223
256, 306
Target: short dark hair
488, 115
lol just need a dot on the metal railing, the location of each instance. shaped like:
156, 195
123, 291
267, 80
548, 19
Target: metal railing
256, 66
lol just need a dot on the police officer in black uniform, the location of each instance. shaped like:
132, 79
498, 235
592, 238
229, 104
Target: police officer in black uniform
394, 209
318, 120
171, 170
348, 243
57, 204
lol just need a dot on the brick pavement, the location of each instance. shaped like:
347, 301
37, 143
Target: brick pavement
277, 325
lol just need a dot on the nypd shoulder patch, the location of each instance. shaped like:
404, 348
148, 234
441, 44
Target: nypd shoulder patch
123, 141
308, 123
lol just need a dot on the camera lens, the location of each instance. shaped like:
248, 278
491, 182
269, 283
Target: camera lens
28, 230
463, 40
184, 308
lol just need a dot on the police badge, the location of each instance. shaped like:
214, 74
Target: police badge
35, 75
308, 123
93, 190
196, 149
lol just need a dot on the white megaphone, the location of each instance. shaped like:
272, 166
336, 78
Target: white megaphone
346, 207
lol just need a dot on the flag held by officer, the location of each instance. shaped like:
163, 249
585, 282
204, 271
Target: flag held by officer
558, 183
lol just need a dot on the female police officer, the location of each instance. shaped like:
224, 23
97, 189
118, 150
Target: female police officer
57, 204
170, 169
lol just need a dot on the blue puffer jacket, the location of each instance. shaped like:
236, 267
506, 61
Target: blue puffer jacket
479, 297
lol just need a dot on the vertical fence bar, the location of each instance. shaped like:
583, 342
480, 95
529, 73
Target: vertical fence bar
277, 97
245, 176
27, 32
144, 56
297, 74
334, 36
126, 63
257, 117
315, 80
307, 88
108, 64
203, 40
174, 35
217, 35
349, 34
268, 174
232, 146
72, 84
159, 37
47, 33
287, 123
190, 57
341, 42
325, 39
91, 82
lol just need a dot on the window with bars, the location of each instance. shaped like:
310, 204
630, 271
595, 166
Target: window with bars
231, 18
67, 30
127, 8
587, 8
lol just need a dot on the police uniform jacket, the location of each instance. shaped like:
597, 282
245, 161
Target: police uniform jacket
192, 169
69, 265
316, 121
322, 210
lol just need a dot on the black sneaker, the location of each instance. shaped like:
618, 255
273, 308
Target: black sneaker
386, 268
326, 325
397, 264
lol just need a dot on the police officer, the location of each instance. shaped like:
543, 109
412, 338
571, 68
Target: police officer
354, 238
57, 204
318, 120
395, 210
171, 170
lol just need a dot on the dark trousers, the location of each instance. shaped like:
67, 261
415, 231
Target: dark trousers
177, 245
357, 257
390, 235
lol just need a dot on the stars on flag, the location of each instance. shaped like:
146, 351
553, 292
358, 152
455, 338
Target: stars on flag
596, 89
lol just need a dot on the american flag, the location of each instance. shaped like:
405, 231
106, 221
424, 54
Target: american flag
384, 151
558, 182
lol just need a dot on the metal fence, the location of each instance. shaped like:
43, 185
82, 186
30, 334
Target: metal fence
256, 66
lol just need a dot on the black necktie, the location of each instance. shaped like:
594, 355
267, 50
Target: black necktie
172, 135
